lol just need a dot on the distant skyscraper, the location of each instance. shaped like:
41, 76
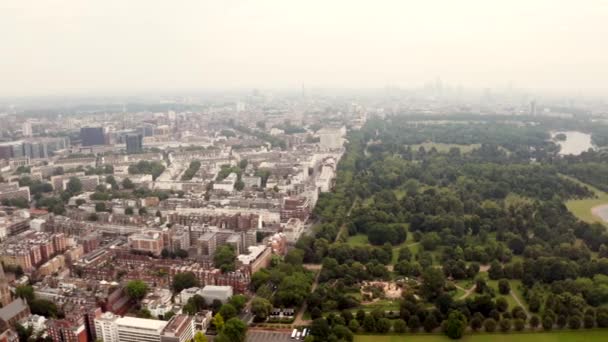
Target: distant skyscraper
240, 106
5, 293
92, 136
533, 108
134, 143
27, 129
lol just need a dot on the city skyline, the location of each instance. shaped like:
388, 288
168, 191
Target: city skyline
73, 47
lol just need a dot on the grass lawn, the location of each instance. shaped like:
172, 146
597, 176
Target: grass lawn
444, 148
358, 240
383, 304
557, 336
582, 208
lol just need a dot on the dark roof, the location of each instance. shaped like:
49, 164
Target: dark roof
13, 309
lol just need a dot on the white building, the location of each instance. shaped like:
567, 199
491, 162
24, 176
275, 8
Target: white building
112, 328
227, 184
105, 327
212, 292
331, 138
186, 294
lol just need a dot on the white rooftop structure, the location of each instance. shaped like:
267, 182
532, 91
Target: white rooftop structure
212, 292
254, 253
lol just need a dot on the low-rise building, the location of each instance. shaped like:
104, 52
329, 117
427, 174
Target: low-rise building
180, 328
213, 292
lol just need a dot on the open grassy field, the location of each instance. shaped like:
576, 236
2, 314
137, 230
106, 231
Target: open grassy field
444, 148
358, 240
557, 336
582, 208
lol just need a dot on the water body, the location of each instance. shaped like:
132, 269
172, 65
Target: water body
575, 143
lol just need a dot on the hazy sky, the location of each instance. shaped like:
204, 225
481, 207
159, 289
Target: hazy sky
113, 46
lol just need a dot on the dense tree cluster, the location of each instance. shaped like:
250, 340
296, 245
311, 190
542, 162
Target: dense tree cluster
499, 203
153, 168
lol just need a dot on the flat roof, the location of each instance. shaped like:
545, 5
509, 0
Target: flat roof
142, 323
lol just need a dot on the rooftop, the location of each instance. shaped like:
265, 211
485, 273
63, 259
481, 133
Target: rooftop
141, 323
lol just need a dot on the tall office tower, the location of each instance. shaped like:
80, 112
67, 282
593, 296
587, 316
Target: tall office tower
27, 129
134, 143
5, 293
91, 136
533, 108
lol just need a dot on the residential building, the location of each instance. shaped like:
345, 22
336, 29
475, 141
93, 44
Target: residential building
180, 328
148, 242
5, 293
15, 311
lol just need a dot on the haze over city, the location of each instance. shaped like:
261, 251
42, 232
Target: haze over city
122, 47
303, 171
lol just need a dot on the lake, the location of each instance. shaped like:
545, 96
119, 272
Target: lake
575, 143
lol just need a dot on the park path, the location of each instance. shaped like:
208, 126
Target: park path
466, 292
520, 303
299, 320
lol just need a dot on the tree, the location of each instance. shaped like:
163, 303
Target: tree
547, 322
602, 318
293, 289
588, 321
343, 333
184, 281
167, 316
430, 241
144, 313
369, 324
127, 183
404, 254
534, 321
456, 325
26, 292
261, 307
74, 185
238, 301
433, 282
136, 289
128, 211
574, 322
100, 207
505, 325
218, 322
353, 325
504, 287
320, 329
501, 304
414, 323
476, 322
228, 311
399, 326
239, 185
235, 330
489, 325
43, 307
519, 324
225, 258
383, 325
143, 211
430, 323
495, 272
295, 257
200, 337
